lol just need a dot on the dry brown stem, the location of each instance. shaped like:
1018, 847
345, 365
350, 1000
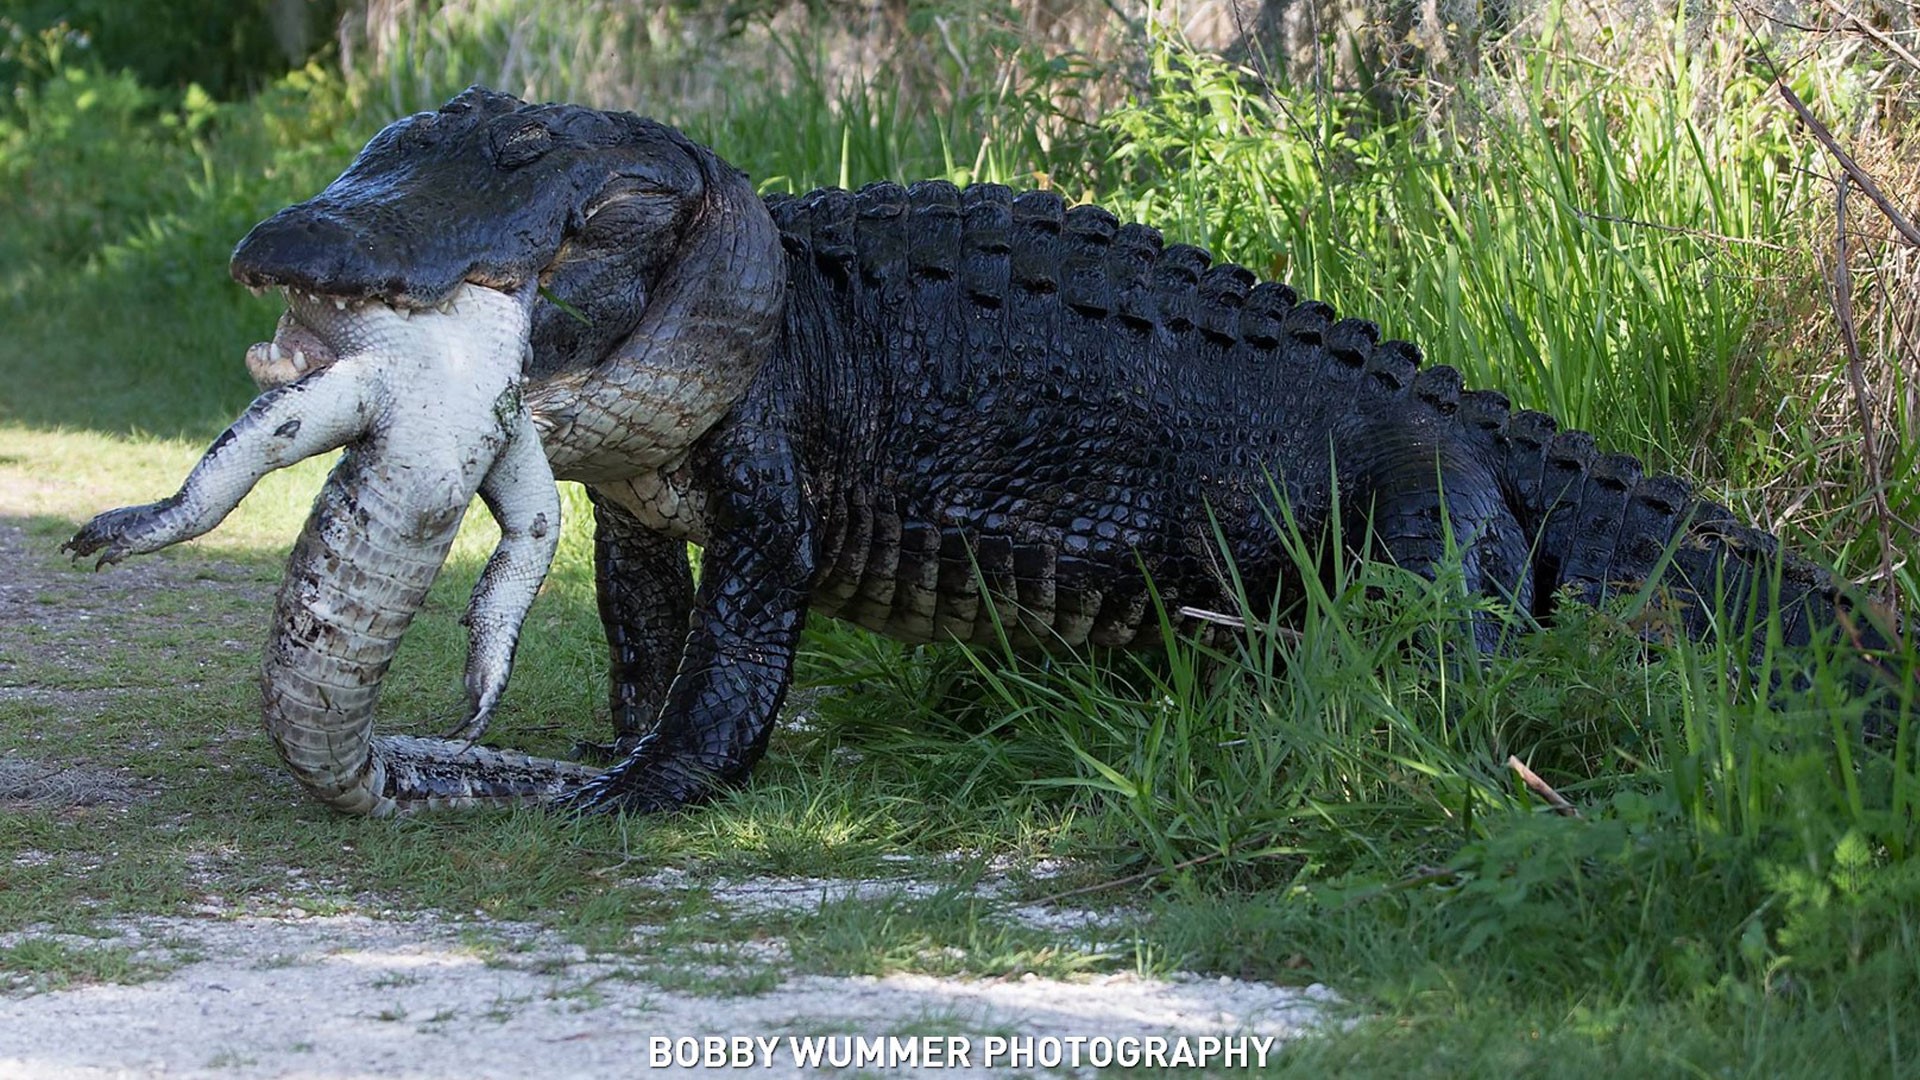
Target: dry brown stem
1541, 788
1850, 339
1859, 176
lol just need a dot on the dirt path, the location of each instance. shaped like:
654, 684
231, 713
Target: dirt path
406, 997
402, 993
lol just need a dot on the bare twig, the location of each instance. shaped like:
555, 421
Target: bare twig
1541, 788
1871, 190
1702, 234
1425, 875
1130, 879
1218, 618
1231, 622
1886, 41
1850, 338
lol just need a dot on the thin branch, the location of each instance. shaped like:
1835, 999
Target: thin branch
1886, 41
1682, 230
1130, 879
1218, 618
1906, 228
1231, 622
1541, 788
1850, 338
1425, 875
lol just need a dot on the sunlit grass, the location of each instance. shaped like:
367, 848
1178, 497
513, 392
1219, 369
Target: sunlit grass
1328, 802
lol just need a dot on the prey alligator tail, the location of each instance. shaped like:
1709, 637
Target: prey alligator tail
937, 412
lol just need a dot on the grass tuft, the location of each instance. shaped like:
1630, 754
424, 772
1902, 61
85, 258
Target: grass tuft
1621, 227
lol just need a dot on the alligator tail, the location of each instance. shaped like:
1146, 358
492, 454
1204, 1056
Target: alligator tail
1602, 526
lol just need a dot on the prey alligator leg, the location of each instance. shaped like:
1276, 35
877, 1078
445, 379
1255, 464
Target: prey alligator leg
645, 590
289, 423
520, 494
747, 616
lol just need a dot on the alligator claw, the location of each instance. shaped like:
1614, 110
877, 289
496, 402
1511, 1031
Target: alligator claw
472, 728
479, 711
113, 534
649, 781
588, 800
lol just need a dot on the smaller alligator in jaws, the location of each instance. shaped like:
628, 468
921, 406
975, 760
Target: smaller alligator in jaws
930, 411
429, 407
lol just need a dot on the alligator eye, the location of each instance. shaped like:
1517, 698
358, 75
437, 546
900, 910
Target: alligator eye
521, 145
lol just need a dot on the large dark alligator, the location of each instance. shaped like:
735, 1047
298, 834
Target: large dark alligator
924, 410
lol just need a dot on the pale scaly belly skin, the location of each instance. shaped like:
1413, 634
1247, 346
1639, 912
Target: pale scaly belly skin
429, 407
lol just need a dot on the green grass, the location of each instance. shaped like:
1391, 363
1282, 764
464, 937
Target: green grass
1606, 229
41, 965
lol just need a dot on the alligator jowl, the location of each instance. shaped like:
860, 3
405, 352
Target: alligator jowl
930, 411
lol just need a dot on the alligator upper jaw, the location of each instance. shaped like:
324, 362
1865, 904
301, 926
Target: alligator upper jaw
317, 329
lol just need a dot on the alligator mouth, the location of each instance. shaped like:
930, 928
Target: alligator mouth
314, 331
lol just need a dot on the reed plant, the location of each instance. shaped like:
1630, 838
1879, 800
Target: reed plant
1625, 229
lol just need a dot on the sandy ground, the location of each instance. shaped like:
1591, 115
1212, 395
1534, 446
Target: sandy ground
421, 994
361, 997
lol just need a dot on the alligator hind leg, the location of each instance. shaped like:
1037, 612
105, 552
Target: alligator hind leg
645, 590
1424, 501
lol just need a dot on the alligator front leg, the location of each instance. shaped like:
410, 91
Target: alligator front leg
645, 589
738, 660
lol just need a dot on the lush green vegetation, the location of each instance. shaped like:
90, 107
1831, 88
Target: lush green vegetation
1626, 233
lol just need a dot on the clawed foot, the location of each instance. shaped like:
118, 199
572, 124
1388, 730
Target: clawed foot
596, 796
644, 783
473, 727
483, 693
129, 530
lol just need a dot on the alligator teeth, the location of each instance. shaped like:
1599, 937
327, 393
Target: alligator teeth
339, 304
273, 351
445, 306
299, 360
404, 312
257, 290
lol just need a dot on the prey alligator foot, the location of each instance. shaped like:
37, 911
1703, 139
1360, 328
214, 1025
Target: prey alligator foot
129, 530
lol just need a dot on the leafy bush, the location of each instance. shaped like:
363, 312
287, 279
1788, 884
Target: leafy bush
228, 47
1327, 798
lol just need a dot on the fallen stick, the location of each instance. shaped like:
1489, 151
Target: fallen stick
1541, 788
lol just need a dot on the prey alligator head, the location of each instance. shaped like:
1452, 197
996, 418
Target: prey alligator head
659, 276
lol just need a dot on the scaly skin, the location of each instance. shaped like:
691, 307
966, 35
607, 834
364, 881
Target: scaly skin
991, 410
430, 411
935, 412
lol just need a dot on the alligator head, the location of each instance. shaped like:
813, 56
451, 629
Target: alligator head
659, 274
649, 282
490, 295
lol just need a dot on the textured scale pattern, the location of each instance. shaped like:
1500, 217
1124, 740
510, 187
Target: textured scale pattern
1001, 390
1007, 415
943, 414
998, 389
